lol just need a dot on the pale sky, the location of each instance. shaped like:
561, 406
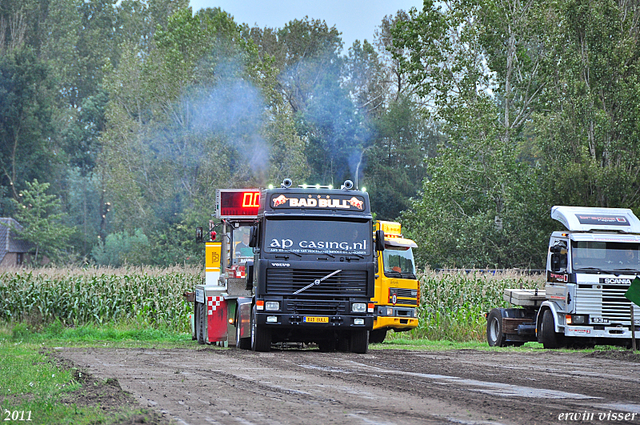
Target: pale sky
355, 19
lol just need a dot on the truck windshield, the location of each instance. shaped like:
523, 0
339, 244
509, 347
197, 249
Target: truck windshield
309, 237
398, 262
605, 256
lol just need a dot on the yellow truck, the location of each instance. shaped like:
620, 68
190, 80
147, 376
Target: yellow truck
397, 290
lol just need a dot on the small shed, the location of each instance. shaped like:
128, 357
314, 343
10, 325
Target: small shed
13, 251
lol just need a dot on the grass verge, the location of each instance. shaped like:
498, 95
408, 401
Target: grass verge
38, 388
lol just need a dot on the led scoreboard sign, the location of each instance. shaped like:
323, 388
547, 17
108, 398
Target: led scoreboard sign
237, 203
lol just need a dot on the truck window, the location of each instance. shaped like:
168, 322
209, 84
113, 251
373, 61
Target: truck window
398, 260
607, 256
241, 249
303, 236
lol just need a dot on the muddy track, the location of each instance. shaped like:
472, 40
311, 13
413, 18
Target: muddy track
231, 386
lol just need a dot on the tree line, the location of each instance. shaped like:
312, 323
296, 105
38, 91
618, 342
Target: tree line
465, 120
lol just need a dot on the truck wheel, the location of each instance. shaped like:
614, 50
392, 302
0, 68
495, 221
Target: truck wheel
202, 316
495, 337
242, 343
359, 342
548, 335
377, 336
260, 335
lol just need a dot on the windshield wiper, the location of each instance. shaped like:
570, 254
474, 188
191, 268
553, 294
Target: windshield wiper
355, 253
591, 269
317, 282
627, 270
286, 252
322, 252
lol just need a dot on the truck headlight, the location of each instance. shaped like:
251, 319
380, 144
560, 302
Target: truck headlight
576, 319
272, 305
359, 307
579, 320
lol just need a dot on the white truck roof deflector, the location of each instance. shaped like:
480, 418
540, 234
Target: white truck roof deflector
401, 242
585, 219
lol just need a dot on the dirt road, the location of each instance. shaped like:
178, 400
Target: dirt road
232, 386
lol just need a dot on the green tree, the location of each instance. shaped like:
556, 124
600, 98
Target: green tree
480, 205
306, 56
302, 51
197, 113
25, 119
42, 221
402, 135
121, 248
589, 131
395, 163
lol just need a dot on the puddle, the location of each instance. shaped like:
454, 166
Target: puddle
620, 407
325, 369
494, 388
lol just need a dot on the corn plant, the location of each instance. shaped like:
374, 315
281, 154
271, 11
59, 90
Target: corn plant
98, 295
453, 304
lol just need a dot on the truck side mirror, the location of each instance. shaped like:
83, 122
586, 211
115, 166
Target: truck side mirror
558, 261
199, 234
249, 275
559, 246
379, 240
253, 237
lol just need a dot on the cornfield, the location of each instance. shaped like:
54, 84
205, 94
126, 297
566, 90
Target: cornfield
452, 304
98, 295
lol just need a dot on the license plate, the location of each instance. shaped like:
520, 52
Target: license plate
314, 319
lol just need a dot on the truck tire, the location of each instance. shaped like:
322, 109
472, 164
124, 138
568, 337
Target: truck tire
242, 343
260, 335
202, 316
548, 335
495, 337
359, 342
377, 336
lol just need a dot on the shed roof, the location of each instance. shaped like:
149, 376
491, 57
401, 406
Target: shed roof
8, 240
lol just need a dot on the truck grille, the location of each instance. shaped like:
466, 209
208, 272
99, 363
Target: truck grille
402, 294
330, 308
608, 302
344, 284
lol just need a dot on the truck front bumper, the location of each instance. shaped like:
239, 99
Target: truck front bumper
615, 332
397, 323
395, 317
342, 322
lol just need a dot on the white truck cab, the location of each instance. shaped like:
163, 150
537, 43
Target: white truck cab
590, 266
